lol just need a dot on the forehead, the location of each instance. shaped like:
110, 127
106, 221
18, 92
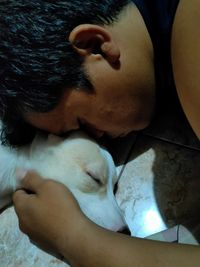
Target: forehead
50, 121
72, 102
68, 157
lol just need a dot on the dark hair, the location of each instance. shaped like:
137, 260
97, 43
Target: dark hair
37, 60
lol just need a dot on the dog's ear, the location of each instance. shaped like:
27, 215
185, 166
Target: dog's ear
8, 162
43, 141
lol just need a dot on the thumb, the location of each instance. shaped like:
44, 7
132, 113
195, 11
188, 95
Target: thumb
32, 182
19, 195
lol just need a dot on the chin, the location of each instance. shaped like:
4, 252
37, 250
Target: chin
142, 124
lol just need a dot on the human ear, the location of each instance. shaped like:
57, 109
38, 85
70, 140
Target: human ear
92, 39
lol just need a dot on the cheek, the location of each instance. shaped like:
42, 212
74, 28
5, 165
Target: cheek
107, 112
115, 115
81, 103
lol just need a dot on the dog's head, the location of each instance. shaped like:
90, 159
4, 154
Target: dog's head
85, 168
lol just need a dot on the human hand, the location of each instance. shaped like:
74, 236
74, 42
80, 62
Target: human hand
48, 213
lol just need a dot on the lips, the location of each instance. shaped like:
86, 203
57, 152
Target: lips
91, 129
95, 132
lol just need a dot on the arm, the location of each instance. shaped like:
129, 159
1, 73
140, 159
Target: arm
62, 227
186, 59
99, 247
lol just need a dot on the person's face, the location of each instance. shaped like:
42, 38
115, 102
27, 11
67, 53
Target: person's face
123, 80
118, 105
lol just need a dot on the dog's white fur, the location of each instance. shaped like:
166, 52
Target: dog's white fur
76, 162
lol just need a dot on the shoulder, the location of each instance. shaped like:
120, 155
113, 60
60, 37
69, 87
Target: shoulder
186, 59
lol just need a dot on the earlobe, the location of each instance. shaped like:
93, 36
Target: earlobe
89, 39
111, 51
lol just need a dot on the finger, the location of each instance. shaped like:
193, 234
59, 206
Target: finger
19, 195
22, 203
32, 182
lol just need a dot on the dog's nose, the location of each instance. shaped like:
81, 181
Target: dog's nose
125, 230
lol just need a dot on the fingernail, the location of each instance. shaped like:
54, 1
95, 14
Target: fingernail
20, 174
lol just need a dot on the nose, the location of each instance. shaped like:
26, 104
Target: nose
75, 125
90, 129
125, 230
70, 126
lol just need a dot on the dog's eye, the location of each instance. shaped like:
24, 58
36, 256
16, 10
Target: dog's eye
98, 181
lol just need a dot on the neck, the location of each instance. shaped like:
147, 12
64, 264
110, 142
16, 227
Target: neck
133, 39
131, 33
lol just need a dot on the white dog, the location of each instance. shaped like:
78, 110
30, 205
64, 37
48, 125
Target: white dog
78, 162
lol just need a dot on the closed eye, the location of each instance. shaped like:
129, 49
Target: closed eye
98, 181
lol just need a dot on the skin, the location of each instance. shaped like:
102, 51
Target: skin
186, 58
81, 241
96, 246
124, 101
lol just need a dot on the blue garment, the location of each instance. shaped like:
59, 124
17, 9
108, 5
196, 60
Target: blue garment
158, 16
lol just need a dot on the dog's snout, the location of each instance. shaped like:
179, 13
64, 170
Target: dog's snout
125, 230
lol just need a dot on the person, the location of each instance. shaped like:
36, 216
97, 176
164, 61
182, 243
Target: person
103, 66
